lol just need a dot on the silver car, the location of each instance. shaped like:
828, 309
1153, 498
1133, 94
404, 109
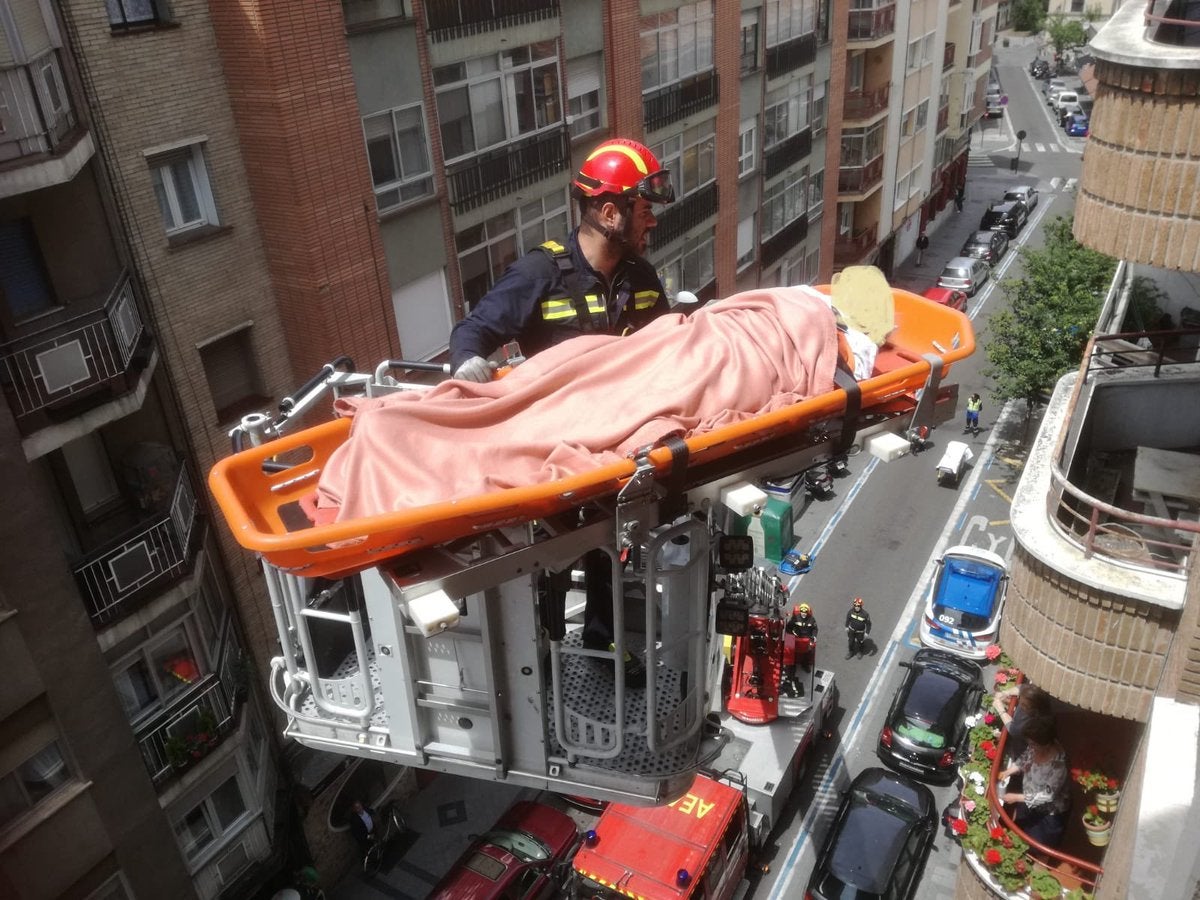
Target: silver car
1026, 193
965, 273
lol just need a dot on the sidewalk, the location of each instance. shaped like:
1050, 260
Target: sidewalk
947, 233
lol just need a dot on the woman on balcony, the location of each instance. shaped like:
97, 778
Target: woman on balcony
1044, 799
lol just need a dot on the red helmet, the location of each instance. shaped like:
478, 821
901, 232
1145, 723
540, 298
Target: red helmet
858, 601
625, 168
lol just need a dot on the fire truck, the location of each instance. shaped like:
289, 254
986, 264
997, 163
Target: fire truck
439, 638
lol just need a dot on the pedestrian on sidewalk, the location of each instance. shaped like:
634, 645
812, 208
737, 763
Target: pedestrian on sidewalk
922, 246
960, 195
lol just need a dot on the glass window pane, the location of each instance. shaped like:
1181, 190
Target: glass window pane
410, 136
175, 663
382, 160
546, 95
185, 190
43, 773
503, 254
136, 689
454, 115
487, 113
12, 798
193, 833
227, 803
160, 192
668, 54
520, 85
650, 77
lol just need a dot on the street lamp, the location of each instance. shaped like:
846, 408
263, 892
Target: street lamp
1017, 159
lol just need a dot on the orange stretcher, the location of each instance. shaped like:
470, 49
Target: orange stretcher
263, 503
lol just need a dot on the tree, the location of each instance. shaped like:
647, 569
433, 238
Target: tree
1052, 311
1028, 15
1065, 34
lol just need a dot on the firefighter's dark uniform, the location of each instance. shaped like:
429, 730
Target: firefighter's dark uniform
858, 624
532, 303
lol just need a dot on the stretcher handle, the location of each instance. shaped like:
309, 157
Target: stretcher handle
287, 404
414, 365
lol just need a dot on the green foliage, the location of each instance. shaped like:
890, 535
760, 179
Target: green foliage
1044, 885
1145, 305
1028, 15
1065, 34
1052, 311
1078, 893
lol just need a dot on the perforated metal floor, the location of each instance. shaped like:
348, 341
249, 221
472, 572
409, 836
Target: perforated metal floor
340, 690
588, 690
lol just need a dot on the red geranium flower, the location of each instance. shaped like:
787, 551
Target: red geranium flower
992, 652
1112, 784
1001, 678
1007, 840
990, 752
1020, 866
959, 826
992, 857
996, 833
986, 745
988, 718
1093, 810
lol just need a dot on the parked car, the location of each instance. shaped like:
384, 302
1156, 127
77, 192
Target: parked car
1004, 215
1026, 193
962, 612
1078, 125
986, 245
1061, 98
947, 297
1051, 85
525, 854
1066, 111
1039, 68
925, 731
966, 274
879, 841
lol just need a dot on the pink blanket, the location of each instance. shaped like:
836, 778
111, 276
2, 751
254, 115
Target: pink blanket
583, 403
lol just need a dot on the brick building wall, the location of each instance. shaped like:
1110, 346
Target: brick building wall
623, 59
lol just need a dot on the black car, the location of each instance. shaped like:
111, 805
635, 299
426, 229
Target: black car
925, 731
1005, 215
986, 245
879, 841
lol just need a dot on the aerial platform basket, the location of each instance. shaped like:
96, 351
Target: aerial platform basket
260, 490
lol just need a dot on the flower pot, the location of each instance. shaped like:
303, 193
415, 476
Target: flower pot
1106, 801
1098, 835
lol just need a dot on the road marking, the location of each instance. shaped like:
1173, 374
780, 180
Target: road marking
1071, 183
1000, 521
825, 797
1041, 148
994, 484
1055, 182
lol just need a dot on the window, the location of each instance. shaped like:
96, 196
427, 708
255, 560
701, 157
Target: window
31, 782
211, 820
396, 151
691, 269
908, 122
158, 671
845, 218
131, 13
747, 228
182, 188
749, 40
676, 44
424, 315
52, 82
491, 100
747, 138
861, 145
786, 111
691, 157
232, 374
922, 115
856, 66
818, 108
487, 249
816, 194
583, 93
788, 19
914, 54
24, 282
783, 202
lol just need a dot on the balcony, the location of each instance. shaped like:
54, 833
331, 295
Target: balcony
122, 574
450, 19
862, 105
697, 207
979, 57
50, 371
786, 152
868, 25
849, 249
361, 15
673, 102
861, 179
948, 57
498, 172
780, 243
791, 55
943, 119
41, 130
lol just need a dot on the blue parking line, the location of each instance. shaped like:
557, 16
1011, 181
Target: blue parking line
854, 491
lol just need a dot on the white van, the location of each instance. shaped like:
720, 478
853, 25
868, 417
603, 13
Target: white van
1063, 97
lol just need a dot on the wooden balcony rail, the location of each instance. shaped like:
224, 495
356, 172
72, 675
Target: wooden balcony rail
865, 104
152, 555
59, 363
449, 19
498, 172
673, 102
851, 248
860, 179
871, 24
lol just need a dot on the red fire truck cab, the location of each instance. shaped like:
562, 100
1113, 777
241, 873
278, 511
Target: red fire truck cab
697, 847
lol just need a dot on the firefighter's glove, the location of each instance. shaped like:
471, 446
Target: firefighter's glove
475, 369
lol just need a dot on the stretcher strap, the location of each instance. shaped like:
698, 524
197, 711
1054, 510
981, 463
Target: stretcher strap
844, 378
673, 503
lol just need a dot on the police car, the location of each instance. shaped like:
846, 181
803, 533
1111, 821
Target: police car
962, 614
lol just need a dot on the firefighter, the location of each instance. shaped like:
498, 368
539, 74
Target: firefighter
598, 282
802, 626
858, 626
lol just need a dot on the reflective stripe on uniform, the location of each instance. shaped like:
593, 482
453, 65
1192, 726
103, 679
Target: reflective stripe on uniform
554, 246
645, 299
564, 308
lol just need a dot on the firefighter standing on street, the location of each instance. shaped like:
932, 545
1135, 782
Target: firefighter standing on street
598, 283
858, 626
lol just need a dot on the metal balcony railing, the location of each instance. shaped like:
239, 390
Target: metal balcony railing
64, 361
151, 556
851, 248
871, 24
786, 152
860, 179
677, 218
159, 738
948, 56
861, 105
673, 102
791, 55
48, 127
363, 13
449, 19
498, 172
784, 240
1097, 527
1174, 22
